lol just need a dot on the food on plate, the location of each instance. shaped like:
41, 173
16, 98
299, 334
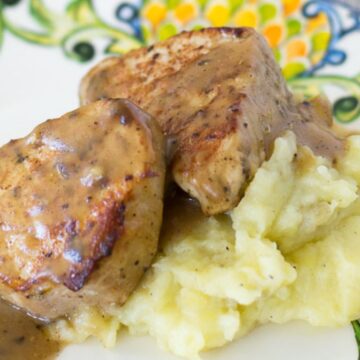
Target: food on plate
271, 236
219, 96
288, 251
81, 207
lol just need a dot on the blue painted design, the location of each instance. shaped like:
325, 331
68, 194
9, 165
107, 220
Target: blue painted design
339, 30
129, 13
343, 17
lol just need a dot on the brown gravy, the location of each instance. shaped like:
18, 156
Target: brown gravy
22, 337
64, 192
223, 101
181, 215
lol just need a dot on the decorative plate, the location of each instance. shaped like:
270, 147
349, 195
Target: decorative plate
47, 46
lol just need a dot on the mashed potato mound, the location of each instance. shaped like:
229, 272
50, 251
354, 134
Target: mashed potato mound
288, 251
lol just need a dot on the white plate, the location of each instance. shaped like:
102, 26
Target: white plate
39, 82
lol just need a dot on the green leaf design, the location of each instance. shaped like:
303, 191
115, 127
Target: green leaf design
82, 11
122, 46
1, 26
54, 25
171, 4
45, 39
293, 69
74, 30
356, 327
347, 108
78, 43
320, 41
293, 27
166, 31
234, 4
42, 14
267, 12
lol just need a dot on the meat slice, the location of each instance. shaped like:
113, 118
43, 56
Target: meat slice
81, 202
220, 98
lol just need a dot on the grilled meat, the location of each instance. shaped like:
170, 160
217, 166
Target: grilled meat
80, 208
221, 99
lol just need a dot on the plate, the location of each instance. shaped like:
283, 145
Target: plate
47, 46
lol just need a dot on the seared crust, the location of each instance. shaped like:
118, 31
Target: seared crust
80, 208
142, 68
221, 99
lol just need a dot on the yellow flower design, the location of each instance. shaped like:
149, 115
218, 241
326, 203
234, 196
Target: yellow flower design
296, 48
154, 13
218, 14
273, 34
290, 6
246, 18
185, 12
297, 41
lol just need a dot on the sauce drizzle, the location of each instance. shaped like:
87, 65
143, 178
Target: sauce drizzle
22, 337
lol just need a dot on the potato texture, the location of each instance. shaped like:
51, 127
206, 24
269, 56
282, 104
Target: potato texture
289, 250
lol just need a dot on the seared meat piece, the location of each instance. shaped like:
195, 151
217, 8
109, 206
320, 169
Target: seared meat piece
81, 203
220, 97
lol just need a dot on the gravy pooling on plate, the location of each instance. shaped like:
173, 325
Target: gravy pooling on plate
22, 337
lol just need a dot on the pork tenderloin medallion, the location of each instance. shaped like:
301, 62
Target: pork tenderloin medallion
81, 202
221, 99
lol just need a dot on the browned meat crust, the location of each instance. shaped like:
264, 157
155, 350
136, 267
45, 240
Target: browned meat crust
220, 98
80, 208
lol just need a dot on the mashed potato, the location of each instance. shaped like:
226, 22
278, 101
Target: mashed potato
289, 251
